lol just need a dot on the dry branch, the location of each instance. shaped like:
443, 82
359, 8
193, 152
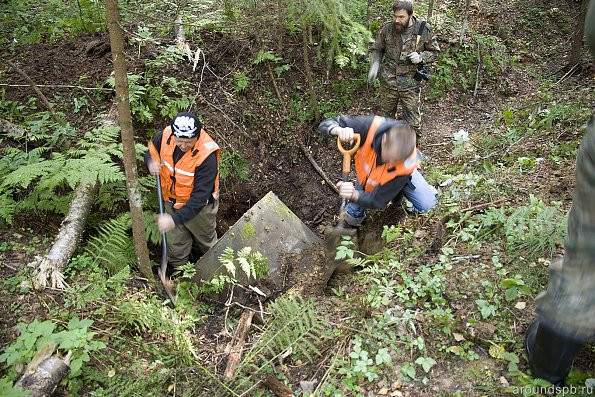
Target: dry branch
480, 207
236, 345
43, 98
277, 387
317, 168
477, 75
59, 86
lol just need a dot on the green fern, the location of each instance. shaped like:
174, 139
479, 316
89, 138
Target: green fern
111, 195
139, 383
295, 326
532, 230
24, 175
44, 180
113, 247
8, 208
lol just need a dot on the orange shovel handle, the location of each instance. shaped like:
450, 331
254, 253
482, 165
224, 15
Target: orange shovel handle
348, 153
153, 152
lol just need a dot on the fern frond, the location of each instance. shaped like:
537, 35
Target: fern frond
151, 230
7, 209
111, 195
295, 325
24, 175
101, 136
91, 169
117, 281
113, 247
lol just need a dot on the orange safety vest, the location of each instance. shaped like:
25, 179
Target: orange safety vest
370, 175
177, 182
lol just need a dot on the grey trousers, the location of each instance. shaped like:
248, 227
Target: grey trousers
199, 230
568, 305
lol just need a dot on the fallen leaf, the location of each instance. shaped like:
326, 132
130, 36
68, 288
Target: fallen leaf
520, 305
396, 394
504, 381
170, 388
111, 373
383, 391
458, 337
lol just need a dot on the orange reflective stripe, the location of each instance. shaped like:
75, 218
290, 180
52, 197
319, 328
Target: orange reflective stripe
370, 175
177, 182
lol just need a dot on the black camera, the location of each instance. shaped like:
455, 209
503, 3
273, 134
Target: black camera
422, 74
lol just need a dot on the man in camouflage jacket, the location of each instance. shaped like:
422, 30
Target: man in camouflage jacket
566, 311
399, 52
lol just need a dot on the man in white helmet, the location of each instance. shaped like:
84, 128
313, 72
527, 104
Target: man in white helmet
189, 171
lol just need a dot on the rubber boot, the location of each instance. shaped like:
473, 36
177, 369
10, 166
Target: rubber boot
550, 353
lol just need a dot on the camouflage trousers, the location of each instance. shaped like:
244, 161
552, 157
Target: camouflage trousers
410, 100
199, 230
568, 305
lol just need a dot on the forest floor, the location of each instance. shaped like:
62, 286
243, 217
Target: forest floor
254, 124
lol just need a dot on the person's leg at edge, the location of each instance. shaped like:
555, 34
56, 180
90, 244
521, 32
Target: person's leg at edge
420, 193
550, 353
179, 242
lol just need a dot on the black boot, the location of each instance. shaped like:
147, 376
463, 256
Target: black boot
550, 353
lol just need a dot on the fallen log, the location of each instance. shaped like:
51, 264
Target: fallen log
8, 128
45, 372
236, 345
49, 268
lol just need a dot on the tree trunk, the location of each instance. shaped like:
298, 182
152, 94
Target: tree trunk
576, 47
430, 10
125, 119
465, 21
51, 266
179, 30
309, 78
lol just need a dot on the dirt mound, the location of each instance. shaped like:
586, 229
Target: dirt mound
84, 60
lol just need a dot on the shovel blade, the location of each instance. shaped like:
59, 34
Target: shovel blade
167, 285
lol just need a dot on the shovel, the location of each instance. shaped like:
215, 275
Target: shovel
332, 235
167, 284
347, 163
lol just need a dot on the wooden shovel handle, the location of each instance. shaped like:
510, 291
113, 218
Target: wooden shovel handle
348, 153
